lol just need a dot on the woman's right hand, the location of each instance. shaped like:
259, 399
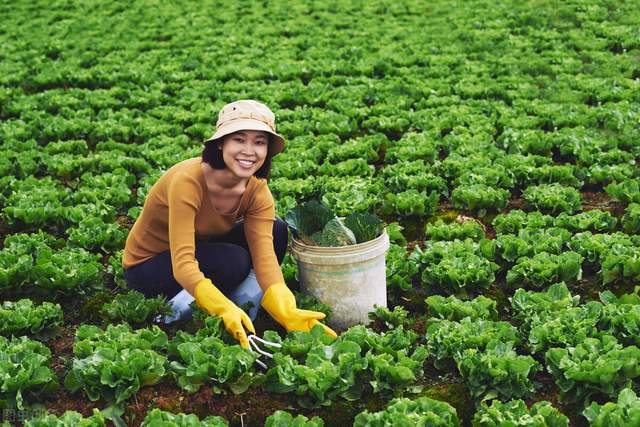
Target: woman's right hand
210, 299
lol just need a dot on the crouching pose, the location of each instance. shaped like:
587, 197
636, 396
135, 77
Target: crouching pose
208, 230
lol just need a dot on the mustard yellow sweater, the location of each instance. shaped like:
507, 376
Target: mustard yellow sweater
178, 212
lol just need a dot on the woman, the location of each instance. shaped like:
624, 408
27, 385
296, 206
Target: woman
209, 222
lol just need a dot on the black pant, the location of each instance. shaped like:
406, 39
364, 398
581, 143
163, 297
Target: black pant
224, 259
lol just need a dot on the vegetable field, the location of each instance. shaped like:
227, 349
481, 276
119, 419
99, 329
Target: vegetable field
499, 141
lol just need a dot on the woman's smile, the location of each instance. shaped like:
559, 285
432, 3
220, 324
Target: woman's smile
247, 164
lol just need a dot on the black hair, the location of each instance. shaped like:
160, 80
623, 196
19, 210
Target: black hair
213, 157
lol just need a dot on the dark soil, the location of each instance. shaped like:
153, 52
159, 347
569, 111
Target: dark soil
253, 406
603, 201
125, 221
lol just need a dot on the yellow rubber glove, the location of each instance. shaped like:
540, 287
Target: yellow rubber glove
211, 300
280, 303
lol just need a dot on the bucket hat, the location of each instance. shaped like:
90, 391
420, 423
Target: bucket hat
247, 114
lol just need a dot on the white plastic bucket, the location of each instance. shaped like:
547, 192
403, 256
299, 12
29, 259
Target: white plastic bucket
349, 279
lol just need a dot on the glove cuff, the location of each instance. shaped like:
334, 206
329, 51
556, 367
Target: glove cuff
275, 292
205, 289
278, 299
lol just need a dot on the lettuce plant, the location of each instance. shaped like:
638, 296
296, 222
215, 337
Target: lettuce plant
479, 198
365, 147
68, 419
391, 318
515, 220
624, 412
66, 270
403, 411
116, 270
489, 176
112, 188
626, 191
44, 202
515, 413
285, 419
25, 375
529, 242
565, 327
24, 317
544, 269
457, 164
454, 309
603, 155
15, 268
36, 202
345, 195
158, 417
394, 230
134, 307
348, 167
300, 188
595, 220
631, 219
41, 260
401, 269
525, 141
454, 231
413, 146
621, 316
410, 203
593, 367
113, 364
529, 305
447, 340
94, 233
403, 176
296, 166
497, 371
553, 198
455, 267
205, 358
567, 175
594, 248
621, 263
318, 371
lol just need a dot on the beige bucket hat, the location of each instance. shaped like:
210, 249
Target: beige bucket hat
247, 114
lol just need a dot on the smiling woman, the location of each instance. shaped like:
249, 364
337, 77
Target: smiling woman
211, 219
228, 163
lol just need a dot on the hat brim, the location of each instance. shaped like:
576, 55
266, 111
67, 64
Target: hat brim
249, 124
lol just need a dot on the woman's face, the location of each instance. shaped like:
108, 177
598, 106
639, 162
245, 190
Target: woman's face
245, 151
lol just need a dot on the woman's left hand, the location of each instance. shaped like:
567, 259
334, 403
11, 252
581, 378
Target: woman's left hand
280, 303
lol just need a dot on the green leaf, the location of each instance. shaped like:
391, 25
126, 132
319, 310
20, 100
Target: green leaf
365, 226
335, 233
308, 218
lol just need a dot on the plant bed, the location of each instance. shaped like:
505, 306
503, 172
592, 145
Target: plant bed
428, 116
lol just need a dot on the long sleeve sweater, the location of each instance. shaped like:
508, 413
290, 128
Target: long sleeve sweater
178, 212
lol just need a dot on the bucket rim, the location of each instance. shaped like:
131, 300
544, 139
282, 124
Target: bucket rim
333, 249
